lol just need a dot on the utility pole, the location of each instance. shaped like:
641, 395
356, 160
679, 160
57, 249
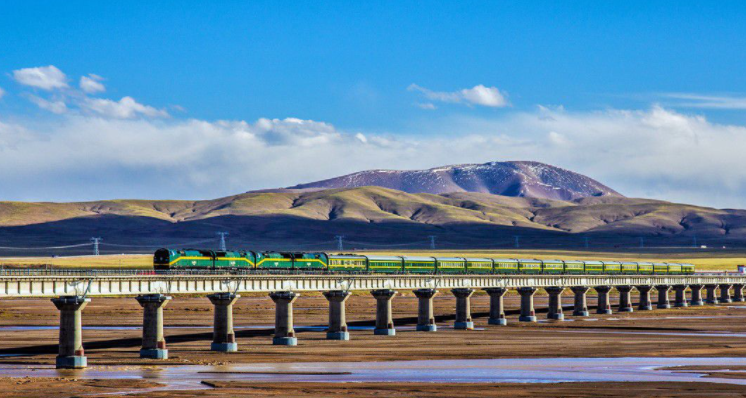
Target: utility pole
517, 241
222, 240
642, 242
585, 239
695, 241
95, 245
432, 241
339, 238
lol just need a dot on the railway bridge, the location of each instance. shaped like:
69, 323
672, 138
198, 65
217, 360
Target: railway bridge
71, 291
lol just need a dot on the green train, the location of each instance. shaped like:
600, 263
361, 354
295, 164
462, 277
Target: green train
193, 259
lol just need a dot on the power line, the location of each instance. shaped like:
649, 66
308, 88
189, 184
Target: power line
45, 247
160, 244
432, 241
95, 245
222, 240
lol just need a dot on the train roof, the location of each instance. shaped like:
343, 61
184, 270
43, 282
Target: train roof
418, 258
529, 260
552, 261
479, 259
505, 260
357, 256
449, 258
384, 258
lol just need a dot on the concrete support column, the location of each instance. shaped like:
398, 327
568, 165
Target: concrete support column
581, 306
337, 315
527, 304
725, 293
284, 332
625, 298
680, 296
738, 293
384, 316
463, 308
71, 354
223, 336
555, 303
712, 297
425, 316
497, 308
663, 302
153, 342
696, 295
604, 306
645, 303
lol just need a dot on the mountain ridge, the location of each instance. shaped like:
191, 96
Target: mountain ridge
513, 178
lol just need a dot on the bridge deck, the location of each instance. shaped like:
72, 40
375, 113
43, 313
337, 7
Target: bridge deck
122, 284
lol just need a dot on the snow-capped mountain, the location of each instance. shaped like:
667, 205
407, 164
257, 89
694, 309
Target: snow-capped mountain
523, 179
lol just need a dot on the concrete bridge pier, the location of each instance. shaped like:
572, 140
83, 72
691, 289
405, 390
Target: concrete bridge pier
625, 298
696, 295
497, 308
555, 303
725, 293
604, 306
284, 332
463, 308
712, 297
663, 302
337, 315
384, 316
581, 306
738, 293
425, 316
645, 303
680, 296
71, 354
223, 336
153, 342
527, 304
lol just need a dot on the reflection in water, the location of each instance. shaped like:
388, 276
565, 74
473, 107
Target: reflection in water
539, 370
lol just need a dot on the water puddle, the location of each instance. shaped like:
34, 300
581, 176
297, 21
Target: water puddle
539, 370
684, 334
315, 328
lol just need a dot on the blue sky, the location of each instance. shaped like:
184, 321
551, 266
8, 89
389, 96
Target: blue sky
399, 84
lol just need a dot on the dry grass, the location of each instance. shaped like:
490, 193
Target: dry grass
107, 261
703, 260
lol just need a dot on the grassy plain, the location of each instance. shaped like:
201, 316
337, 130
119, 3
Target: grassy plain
704, 260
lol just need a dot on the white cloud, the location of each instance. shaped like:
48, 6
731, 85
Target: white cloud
686, 100
43, 77
655, 153
426, 105
477, 95
125, 108
2, 92
91, 84
55, 106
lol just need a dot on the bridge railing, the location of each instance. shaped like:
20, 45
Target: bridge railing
97, 272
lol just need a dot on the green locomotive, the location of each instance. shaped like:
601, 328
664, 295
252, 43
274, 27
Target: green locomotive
193, 259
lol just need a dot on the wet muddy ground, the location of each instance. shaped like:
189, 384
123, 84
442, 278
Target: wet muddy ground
112, 338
